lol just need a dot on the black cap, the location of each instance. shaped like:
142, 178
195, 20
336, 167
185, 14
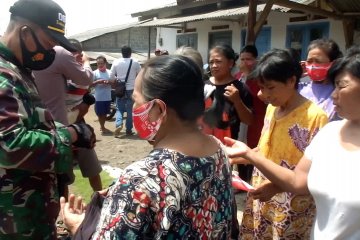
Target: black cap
46, 14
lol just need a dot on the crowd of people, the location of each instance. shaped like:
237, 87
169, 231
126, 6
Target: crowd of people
290, 128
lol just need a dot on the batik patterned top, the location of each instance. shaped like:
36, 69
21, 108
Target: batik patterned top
169, 195
32, 151
283, 141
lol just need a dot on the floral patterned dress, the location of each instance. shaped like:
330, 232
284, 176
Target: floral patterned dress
286, 216
169, 195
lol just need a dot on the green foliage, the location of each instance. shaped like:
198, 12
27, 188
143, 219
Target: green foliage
81, 186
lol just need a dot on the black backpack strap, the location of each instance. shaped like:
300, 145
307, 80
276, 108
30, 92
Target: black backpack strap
128, 71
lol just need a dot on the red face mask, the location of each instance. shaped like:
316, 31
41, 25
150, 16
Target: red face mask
144, 127
317, 71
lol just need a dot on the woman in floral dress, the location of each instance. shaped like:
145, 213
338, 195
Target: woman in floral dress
182, 189
291, 121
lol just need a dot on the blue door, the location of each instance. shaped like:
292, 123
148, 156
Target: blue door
299, 36
263, 40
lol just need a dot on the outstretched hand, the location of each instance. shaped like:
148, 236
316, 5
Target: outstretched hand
236, 151
265, 191
72, 212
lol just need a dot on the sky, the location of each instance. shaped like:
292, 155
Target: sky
82, 15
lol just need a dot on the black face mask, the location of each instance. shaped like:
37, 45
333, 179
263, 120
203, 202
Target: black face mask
38, 60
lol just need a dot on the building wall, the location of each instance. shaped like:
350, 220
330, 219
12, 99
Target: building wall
279, 21
168, 36
203, 28
276, 20
337, 33
139, 38
136, 38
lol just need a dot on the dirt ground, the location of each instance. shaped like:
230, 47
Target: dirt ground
116, 152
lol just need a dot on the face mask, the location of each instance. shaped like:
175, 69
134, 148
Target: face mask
317, 71
144, 127
102, 69
38, 60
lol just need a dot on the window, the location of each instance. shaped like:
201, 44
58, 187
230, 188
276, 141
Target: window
189, 40
220, 37
299, 36
263, 40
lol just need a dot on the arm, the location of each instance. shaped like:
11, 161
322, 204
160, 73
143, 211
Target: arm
97, 80
28, 137
72, 69
132, 213
244, 113
101, 81
291, 181
265, 191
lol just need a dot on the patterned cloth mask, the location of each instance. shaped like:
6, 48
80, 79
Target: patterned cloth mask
317, 71
144, 127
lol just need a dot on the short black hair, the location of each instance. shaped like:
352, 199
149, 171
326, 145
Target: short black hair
227, 51
329, 46
278, 65
250, 49
126, 51
177, 81
101, 57
349, 63
76, 44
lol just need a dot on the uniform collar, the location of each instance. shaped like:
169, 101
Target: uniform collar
8, 55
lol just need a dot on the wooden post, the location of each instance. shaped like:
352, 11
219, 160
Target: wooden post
262, 19
250, 34
348, 26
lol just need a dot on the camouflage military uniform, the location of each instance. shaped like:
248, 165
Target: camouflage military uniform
32, 152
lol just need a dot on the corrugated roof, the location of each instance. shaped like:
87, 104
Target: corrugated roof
306, 2
155, 10
101, 31
346, 6
210, 15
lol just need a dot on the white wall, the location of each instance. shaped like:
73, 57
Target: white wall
276, 20
203, 28
279, 21
336, 33
168, 36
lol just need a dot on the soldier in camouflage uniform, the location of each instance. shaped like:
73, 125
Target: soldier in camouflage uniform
33, 149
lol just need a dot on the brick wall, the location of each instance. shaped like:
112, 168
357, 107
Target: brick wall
136, 38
